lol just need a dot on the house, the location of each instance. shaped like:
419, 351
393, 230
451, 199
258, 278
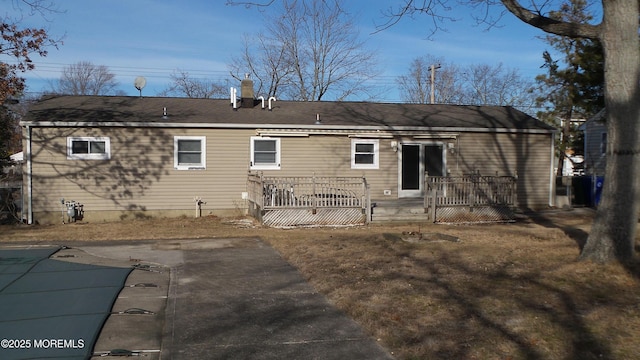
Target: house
126, 157
588, 189
595, 144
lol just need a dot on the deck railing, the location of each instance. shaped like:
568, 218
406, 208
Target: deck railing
472, 190
313, 193
445, 194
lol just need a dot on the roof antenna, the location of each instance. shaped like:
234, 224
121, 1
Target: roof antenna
139, 83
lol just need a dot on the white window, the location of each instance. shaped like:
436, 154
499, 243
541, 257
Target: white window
88, 148
364, 154
265, 153
189, 152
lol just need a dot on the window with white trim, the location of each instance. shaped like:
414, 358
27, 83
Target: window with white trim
365, 153
265, 153
603, 143
88, 148
189, 152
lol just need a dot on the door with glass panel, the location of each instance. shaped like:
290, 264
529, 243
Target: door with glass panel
417, 159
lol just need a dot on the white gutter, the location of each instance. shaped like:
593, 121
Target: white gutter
29, 178
83, 124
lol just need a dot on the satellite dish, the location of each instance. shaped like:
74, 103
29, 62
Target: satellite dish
139, 83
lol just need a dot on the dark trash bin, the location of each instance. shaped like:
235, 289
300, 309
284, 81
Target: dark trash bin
581, 195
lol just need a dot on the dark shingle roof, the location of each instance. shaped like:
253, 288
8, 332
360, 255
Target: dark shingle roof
106, 109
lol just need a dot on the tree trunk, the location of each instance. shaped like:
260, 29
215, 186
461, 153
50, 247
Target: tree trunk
613, 232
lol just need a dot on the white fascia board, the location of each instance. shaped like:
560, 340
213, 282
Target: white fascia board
389, 129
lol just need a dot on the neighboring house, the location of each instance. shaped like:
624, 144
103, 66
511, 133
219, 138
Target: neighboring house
595, 144
126, 157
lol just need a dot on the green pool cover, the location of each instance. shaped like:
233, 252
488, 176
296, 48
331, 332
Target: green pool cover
51, 309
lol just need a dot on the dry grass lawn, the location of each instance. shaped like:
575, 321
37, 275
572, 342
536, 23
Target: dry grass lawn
503, 291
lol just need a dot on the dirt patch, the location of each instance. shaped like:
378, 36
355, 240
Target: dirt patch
504, 291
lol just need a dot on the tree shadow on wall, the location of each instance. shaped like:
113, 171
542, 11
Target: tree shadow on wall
139, 158
499, 142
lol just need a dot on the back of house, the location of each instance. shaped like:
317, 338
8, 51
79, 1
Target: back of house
128, 157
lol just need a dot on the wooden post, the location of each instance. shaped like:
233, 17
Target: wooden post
515, 190
367, 200
314, 209
472, 194
426, 188
432, 209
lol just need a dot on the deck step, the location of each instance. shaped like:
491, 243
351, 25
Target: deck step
398, 213
406, 217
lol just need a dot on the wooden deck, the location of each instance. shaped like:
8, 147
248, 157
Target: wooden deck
330, 201
308, 201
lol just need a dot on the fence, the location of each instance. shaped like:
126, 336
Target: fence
471, 198
296, 201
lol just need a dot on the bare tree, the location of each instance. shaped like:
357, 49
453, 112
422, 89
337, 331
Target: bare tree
480, 84
312, 52
449, 85
416, 86
266, 60
183, 85
494, 85
85, 78
614, 230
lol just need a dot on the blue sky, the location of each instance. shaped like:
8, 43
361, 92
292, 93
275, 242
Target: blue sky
154, 38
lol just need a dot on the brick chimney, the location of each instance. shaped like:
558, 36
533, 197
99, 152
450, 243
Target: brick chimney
247, 98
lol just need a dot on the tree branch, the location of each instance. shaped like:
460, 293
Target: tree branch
562, 28
432, 8
249, 3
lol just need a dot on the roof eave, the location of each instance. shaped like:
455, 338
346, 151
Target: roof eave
276, 126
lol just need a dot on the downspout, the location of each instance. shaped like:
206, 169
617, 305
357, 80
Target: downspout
29, 178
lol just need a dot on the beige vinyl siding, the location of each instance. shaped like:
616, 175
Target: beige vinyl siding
527, 155
140, 175
328, 155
